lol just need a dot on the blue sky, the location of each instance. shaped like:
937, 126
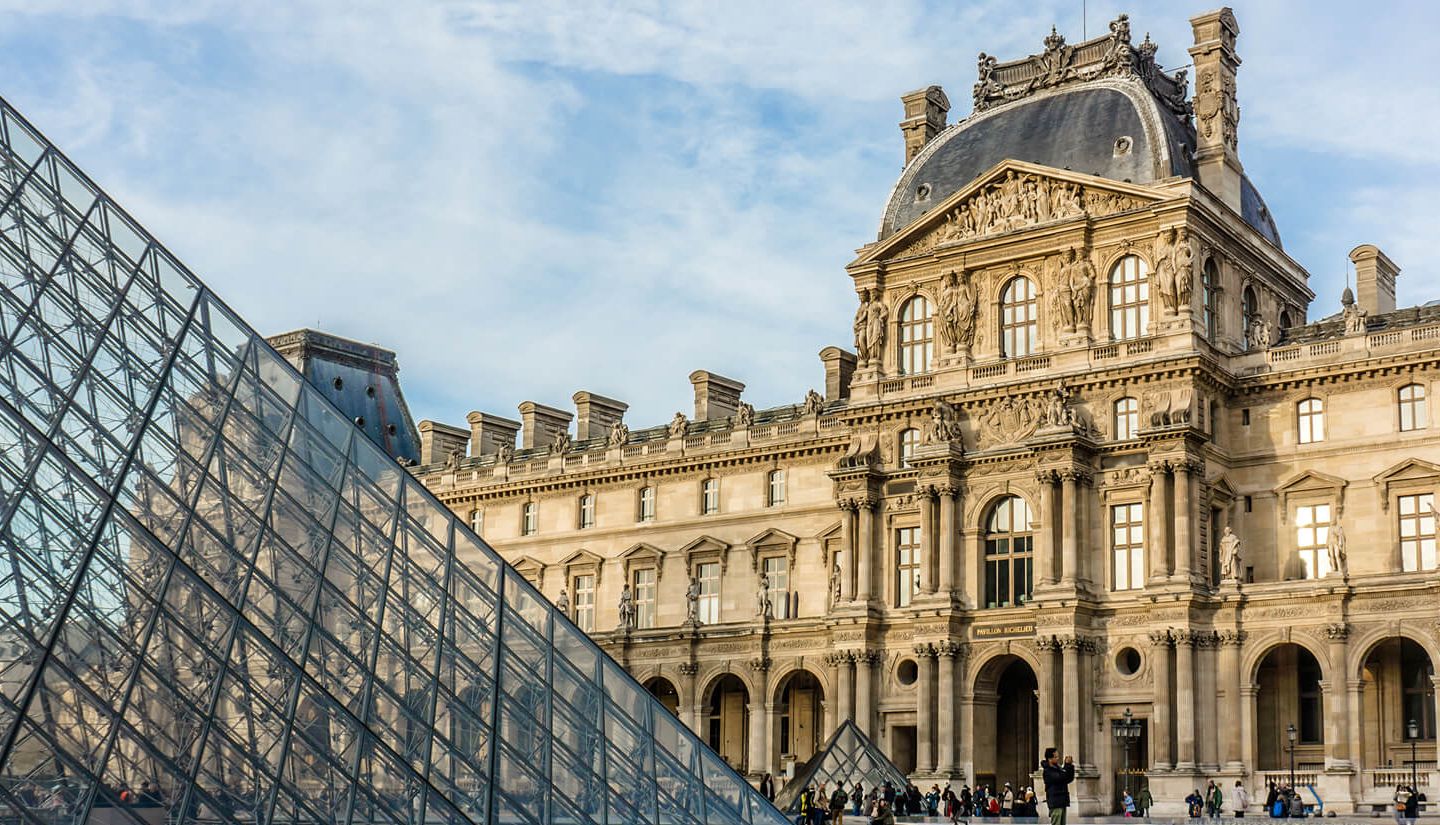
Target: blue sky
525, 199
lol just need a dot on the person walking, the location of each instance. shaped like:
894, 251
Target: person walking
857, 796
1214, 800
767, 787
1272, 795
838, 800
966, 800
1057, 784
1399, 806
1127, 804
1241, 800
1007, 802
1143, 801
1412, 806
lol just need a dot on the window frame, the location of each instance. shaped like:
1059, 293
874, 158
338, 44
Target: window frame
1416, 407
477, 521
645, 609
909, 440
583, 613
916, 340
775, 480
780, 606
1310, 420
1129, 418
710, 496
1209, 291
529, 518
708, 603
907, 565
1019, 319
994, 560
585, 518
1417, 542
1129, 293
645, 506
1313, 554
1130, 548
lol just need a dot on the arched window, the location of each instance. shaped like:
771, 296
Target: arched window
1008, 553
1129, 298
1209, 287
1019, 322
917, 336
1285, 322
1127, 418
1311, 418
1412, 407
909, 441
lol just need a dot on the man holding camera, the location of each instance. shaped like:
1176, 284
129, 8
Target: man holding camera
1057, 784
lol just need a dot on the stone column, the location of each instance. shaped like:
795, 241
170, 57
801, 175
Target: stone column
925, 710
1069, 531
1184, 517
1248, 692
847, 543
948, 563
1160, 721
929, 543
1435, 685
1073, 691
945, 706
1336, 702
966, 700
1156, 516
761, 718
845, 686
864, 709
1049, 651
690, 714
1045, 535
1185, 700
1229, 705
865, 552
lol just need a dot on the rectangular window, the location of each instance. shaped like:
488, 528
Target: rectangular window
529, 519
1412, 407
710, 496
587, 511
1245, 417
777, 586
708, 607
907, 565
1312, 421
1127, 544
644, 594
1312, 534
777, 488
647, 504
584, 588
1417, 532
477, 521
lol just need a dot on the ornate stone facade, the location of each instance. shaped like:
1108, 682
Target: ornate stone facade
1104, 463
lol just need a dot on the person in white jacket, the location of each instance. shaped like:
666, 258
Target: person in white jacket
1241, 799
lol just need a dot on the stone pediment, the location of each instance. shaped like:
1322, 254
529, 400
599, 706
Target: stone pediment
1011, 197
1410, 470
1311, 483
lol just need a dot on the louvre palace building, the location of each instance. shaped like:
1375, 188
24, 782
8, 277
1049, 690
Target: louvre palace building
1096, 447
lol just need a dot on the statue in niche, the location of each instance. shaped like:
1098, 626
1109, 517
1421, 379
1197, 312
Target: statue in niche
678, 425
835, 583
767, 608
813, 402
1077, 284
1335, 549
1165, 286
619, 434
957, 307
563, 603
692, 601
862, 318
744, 415
1229, 555
875, 317
626, 608
1183, 260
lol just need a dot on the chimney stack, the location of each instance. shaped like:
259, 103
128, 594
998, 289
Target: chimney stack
925, 111
438, 441
1375, 276
715, 396
1217, 115
488, 432
839, 366
595, 414
539, 423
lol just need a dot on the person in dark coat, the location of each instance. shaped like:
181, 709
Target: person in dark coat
1057, 784
767, 787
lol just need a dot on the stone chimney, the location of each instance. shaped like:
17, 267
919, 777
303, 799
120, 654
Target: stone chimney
595, 414
925, 111
839, 366
539, 423
1375, 276
1217, 115
438, 441
488, 432
715, 396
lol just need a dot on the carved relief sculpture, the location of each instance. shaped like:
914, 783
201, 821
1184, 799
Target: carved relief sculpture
619, 434
813, 402
1335, 549
944, 424
1076, 287
1183, 260
957, 309
692, 602
766, 608
626, 608
875, 317
563, 602
1229, 555
744, 415
1353, 314
505, 454
560, 444
678, 425
1165, 278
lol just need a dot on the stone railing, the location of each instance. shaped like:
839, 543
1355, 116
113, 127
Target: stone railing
1390, 777
1302, 778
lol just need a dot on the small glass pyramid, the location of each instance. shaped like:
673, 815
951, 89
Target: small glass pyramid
848, 757
221, 602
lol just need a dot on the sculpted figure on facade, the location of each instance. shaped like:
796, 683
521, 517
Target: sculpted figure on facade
1019, 201
452, 461
744, 415
1352, 313
678, 425
563, 602
870, 327
626, 608
1076, 290
1229, 555
1335, 549
813, 402
505, 454
944, 424
1184, 263
1166, 287
957, 309
692, 601
619, 434
766, 609
561, 443
1258, 334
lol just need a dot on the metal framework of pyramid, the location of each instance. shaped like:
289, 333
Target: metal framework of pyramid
212, 582
848, 757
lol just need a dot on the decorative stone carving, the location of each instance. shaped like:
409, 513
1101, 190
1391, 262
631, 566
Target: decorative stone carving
678, 425
1010, 420
619, 434
957, 308
1335, 549
1109, 55
1075, 291
1337, 632
688, 668
1161, 638
1166, 288
1258, 335
1230, 638
744, 415
944, 424
1019, 201
1229, 555
692, 602
505, 454
765, 608
863, 452
1216, 106
813, 402
760, 665
452, 461
563, 602
1168, 408
626, 608
870, 327
560, 444
1184, 263
1353, 314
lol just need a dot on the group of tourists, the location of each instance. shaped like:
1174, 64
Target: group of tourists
1211, 804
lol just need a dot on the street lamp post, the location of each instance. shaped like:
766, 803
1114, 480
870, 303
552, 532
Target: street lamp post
1412, 730
1291, 734
1126, 731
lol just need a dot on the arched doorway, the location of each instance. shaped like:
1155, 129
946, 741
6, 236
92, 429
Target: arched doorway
1007, 722
799, 712
1288, 681
728, 714
663, 690
1397, 710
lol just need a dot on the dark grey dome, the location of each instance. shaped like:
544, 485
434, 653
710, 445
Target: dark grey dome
1112, 128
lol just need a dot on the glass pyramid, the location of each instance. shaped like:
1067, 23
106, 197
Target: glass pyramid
848, 757
211, 582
